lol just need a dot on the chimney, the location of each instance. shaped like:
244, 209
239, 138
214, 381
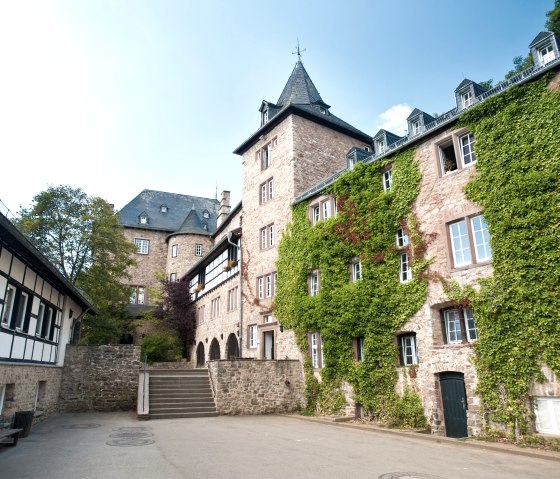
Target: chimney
224, 209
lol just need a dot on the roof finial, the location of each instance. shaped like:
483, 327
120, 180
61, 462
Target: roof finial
298, 51
216, 195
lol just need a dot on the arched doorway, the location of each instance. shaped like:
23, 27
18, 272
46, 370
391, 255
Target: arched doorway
454, 398
232, 347
214, 349
200, 360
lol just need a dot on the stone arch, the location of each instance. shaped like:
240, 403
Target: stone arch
232, 347
214, 350
200, 359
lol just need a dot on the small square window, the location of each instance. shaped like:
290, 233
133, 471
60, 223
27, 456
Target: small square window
402, 238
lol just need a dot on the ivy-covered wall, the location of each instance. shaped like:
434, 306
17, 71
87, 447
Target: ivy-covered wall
373, 308
517, 310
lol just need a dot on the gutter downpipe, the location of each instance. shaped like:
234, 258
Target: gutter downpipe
240, 251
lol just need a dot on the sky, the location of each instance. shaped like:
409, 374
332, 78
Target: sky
119, 96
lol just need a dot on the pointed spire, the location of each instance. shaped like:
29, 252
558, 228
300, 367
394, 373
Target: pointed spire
299, 89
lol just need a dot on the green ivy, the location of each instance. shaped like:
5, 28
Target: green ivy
374, 308
518, 186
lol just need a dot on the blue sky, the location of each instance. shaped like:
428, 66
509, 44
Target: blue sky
118, 96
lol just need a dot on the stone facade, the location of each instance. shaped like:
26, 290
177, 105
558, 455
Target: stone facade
29, 388
100, 378
256, 387
186, 255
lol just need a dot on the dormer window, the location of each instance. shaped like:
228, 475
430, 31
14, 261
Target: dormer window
544, 48
546, 54
264, 117
143, 219
380, 146
416, 125
323, 110
466, 99
163, 208
205, 214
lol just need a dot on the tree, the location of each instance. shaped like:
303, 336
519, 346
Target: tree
82, 237
176, 312
553, 22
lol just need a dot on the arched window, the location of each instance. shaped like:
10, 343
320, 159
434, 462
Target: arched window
232, 347
200, 359
214, 349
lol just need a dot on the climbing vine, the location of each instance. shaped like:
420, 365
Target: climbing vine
375, 307
518, 186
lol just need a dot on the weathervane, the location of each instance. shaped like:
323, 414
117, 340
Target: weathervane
298, 51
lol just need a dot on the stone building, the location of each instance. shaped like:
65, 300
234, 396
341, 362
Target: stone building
39, 312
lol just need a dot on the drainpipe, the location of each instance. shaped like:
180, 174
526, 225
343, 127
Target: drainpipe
240, 262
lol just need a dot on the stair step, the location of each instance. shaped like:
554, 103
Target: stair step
159, 409
183, 415
178, 372
190, 400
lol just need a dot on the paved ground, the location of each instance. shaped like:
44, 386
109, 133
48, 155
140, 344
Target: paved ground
116, 445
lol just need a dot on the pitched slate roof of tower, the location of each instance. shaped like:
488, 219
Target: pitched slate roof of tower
300, 97
299, 89
177, 216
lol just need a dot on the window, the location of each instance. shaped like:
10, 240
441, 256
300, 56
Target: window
268, 281
407, 349
266, 190
163, 208
546, 54
260, 287
22, 309
252, 336
314, 283
459, 325
2, 395
267, 236
467, 99
316, 350
200, 315
387, 180
8, 305
268, 318
460, 233
173, 277
233, 299
380, 146
136, 295
264, 117
326, 210
415, 127
466, 144
263, 194
143, 219
402, 238
323, 110
358, 346
266, 285
174, 250
142, 246
447, 157
198, 249
265, 156
547, 412
39, 325
405, 273
356, 271
316, 214
322, 209
270, 188
215, 308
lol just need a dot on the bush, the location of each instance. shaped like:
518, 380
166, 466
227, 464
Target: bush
161, 346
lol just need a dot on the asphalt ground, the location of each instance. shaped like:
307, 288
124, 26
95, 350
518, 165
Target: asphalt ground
117, 445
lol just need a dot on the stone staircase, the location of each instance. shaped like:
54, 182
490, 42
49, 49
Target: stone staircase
180, 393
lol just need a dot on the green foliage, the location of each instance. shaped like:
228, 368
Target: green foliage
161, 346
518, 185
553, 19
520, 64
82, 237
375, 307
409, 411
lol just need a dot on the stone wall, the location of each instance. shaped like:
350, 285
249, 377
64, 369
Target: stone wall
25, 384
246, 386
100, 378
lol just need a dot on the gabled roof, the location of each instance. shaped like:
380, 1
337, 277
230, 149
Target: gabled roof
193, 224
417, 113
463, 84
540, 37
178, 209
299, 89
389, 137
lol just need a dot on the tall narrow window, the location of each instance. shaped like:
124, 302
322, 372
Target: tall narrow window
8, 305
316, 214
22, 308
467, 99
314, 284
174, 250
405, 273
316, 350
482, 249
270, 188
453, 326
252, 335
173, 277
407, 346
140, 295
40, 317
327, 209
266, 158
268, 285
271, 235
356, 271
263, 194
260, 287
387, 180
263, 238
198, 249
466, 143
447, 157
460, 243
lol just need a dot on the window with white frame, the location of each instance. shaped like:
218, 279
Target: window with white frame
143, 219
356, 271
8, 305
265, 155
174, 250
387, 178
173, 277
408, 355
466, 145
467, 99
546, 54
405, 272
215, 308
252, 335
264, 195
136, 295
316, 350
326, 210
547, 414
266, 191
380, 146
268, 318
233, 298
316, 214
415, 127
267, 236
447, 157
22, 310
266, 285
313, 283
322, 209
270, 188
260, 287
200, 313
142, 245
402, 238
198, 249
271, 235
463, 248
459, 325
359, 348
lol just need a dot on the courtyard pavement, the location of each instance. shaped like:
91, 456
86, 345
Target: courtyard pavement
117, 445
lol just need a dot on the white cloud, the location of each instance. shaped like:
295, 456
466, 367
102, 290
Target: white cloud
394, 119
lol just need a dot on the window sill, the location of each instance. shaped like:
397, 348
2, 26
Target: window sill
470, 266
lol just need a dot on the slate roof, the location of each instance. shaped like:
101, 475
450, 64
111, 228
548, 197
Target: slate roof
540, 37
184, 212
390, 137
300, 89
417, 112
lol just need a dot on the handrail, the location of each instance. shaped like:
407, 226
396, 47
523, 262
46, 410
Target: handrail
144, 388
